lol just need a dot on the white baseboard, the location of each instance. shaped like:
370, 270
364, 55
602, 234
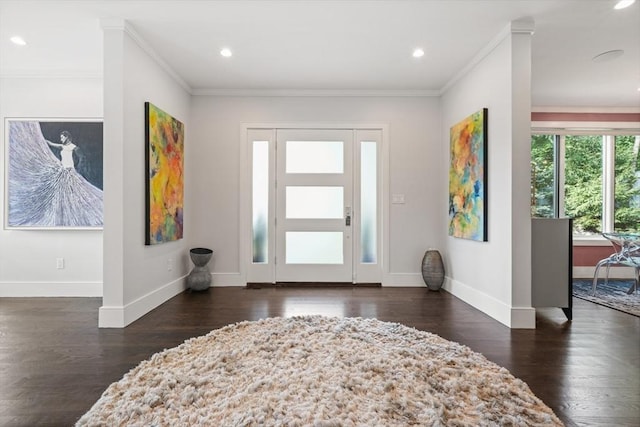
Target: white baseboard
227, 279
513, 317
390, 280
119, 317
523, 318
403, 280
50, 289
111, 317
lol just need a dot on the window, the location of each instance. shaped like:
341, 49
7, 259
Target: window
368, 201
311, 202
315, 157
627, 183
594, 179
583, 182
543, 179
260, 201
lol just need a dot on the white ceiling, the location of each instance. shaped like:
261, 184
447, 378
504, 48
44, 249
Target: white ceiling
333, 46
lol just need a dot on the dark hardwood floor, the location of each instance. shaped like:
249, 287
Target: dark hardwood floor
55, 362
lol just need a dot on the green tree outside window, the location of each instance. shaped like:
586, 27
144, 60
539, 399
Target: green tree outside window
583, 174
627, 184
583, 182
542, 176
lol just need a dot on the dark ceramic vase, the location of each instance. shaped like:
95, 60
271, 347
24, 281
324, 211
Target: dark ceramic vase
200, 277
432, 269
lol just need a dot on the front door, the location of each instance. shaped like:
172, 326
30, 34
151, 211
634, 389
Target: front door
314, 205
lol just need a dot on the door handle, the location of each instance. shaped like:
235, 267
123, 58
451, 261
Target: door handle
347, 214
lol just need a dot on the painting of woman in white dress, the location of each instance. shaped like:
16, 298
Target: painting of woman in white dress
66, 147
55, 174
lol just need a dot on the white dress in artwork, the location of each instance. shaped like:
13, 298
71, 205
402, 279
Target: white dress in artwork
66, 154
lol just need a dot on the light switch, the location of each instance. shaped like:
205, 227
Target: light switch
397, 199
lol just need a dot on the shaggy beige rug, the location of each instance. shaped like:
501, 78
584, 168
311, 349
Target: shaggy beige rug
318, 371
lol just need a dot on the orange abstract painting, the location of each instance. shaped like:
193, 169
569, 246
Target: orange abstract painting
165, 176
468, 178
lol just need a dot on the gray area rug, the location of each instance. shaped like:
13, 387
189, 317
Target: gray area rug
318, 371
613, 295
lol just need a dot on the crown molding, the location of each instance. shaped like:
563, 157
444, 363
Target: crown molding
314, 92
127, 28
520, 26
51, 74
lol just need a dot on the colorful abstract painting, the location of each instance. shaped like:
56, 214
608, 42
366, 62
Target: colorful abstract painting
468, 178
54, 173
165, 176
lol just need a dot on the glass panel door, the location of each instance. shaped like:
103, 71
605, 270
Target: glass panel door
314, 206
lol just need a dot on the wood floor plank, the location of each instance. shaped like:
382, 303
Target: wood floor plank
55, 362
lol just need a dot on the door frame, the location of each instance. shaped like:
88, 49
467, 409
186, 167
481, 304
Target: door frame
265, 273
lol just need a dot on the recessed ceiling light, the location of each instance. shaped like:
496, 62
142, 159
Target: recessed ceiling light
418, 53
624, 3
608, 55
226, 52
18, 40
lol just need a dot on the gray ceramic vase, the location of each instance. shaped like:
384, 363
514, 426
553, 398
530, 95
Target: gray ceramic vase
432, 269
200, 277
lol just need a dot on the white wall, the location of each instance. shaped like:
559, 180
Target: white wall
137, 277
415, 170
28, 257
495, 276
